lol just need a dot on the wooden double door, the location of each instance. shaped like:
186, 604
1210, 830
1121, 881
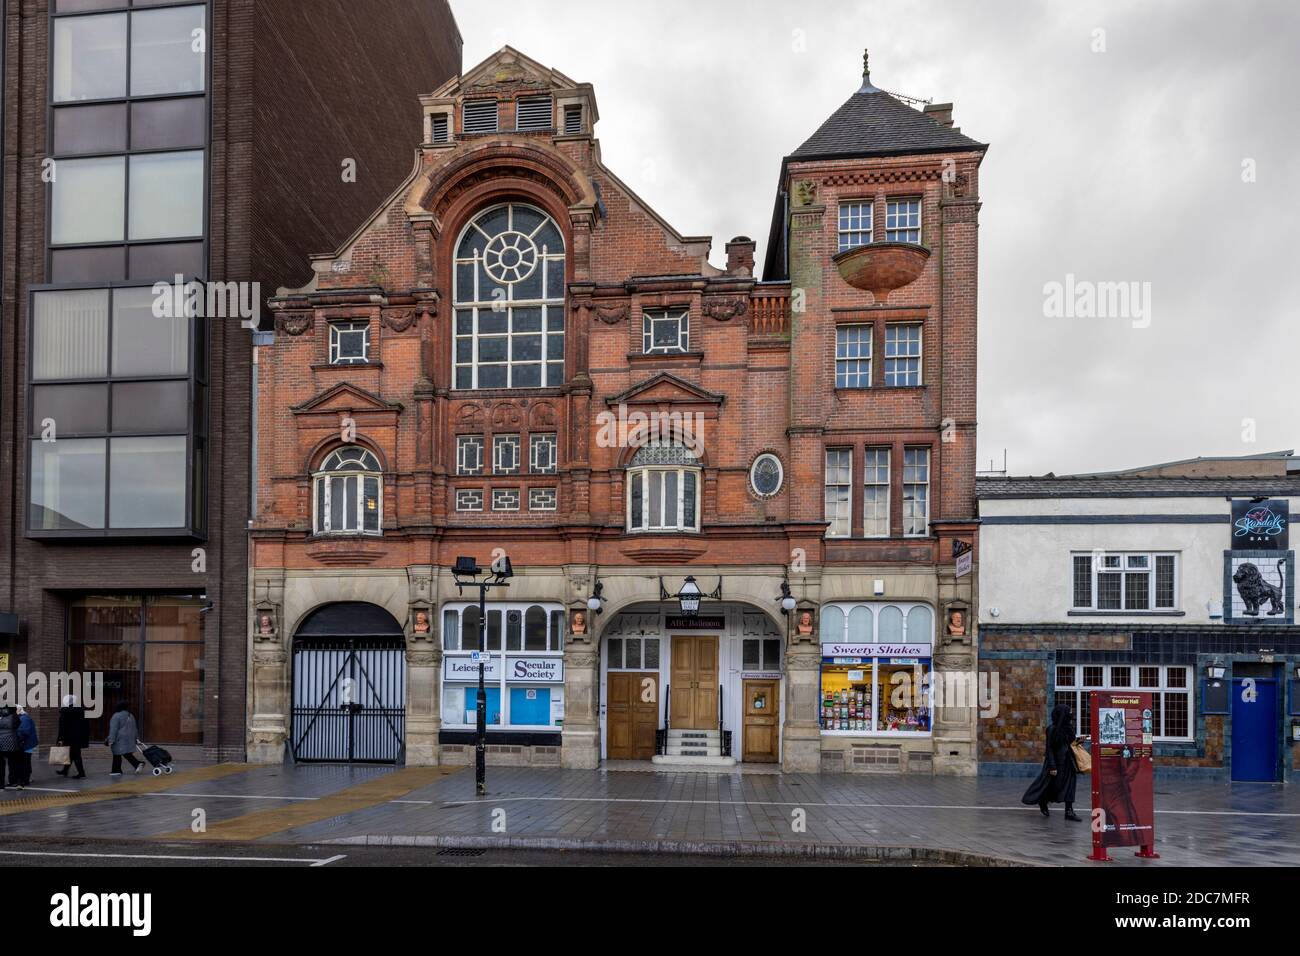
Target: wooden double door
631, 714
693, 685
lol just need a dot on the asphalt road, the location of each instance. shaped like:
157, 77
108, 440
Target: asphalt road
83, 854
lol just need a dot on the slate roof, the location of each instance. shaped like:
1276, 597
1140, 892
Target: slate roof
873, 123
1106, 486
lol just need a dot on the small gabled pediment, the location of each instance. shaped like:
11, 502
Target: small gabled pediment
665, 389
346, 397
504, 70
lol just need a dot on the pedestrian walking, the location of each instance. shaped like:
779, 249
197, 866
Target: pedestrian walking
27, 743
1056, 782
123, 736
10, 749
74, 733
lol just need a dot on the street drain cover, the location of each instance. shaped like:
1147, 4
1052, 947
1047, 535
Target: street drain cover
461, 852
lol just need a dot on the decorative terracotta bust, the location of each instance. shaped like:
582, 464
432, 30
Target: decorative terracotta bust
957, 623
805, 622
579, 622
421, 622
265, 624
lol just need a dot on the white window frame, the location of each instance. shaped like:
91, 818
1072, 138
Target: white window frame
894, 215
1077, 688
925, 485
641, 666
1124, 570
499, 444
519, 500
554, 493
463, 445
337, 330
555, 628
875, 609
846, 513
854, 377
871, 470
644, 474
475, 303
544, 440
465, 496
763, 663
910, 378
329, 478
653, 317
780, 475
851, 215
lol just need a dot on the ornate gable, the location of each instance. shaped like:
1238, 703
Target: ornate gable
345, 397
665, 389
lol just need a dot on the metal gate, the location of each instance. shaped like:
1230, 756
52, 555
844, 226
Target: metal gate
349, 700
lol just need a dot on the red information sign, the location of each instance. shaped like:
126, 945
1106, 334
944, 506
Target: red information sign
1123, 793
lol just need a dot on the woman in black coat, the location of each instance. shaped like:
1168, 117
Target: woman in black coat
10, 749
1055, 784
74, 733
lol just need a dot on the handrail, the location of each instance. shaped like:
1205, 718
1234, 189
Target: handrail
661, 735
724, 736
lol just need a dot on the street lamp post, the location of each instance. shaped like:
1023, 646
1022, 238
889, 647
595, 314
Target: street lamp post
466, 572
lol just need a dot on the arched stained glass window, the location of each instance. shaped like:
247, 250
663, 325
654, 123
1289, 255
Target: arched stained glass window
509, 299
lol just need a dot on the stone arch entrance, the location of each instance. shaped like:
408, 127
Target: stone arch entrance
349, 686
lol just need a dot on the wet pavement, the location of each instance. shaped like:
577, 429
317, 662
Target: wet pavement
908, 819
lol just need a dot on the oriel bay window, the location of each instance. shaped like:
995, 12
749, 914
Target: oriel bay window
129, 130
117, 428
349, 493
523, 674
509, 295
663, 485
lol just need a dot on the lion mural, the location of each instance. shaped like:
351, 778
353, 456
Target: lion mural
1254, 590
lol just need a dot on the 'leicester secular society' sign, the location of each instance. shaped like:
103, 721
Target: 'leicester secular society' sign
519, 670
1260, 525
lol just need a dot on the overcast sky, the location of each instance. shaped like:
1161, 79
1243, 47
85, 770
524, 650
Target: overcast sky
1119, 165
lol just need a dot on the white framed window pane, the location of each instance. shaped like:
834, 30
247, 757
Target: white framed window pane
90, 57
163, 54
144, 344
656, 479
689, 498
89, 196
147, 478
853, 356
68, 484
167, 195
69, 335
854, 224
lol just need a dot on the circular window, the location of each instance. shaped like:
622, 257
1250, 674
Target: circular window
766, 475
510, 257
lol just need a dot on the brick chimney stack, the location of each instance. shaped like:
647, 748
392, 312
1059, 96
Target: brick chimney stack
740, 256
941, 113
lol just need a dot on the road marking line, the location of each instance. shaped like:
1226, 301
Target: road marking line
164, 856
333, 859
490, 800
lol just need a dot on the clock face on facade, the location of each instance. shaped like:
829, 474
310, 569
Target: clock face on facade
766, 475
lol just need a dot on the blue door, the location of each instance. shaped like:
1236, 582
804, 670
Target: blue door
1254, 729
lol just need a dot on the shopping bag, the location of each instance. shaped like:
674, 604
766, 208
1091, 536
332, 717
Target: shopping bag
60, 756
1082, 759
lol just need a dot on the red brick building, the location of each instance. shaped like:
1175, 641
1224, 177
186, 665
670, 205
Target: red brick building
516, 355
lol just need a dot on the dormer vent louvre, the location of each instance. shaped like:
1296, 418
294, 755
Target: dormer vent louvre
481, 116
535, 112
440, 128
573, 120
